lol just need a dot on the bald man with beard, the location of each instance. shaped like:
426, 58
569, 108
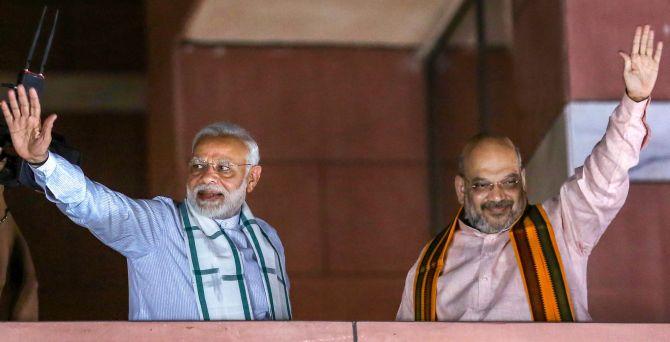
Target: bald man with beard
502, 259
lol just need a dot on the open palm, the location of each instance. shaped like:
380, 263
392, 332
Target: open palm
641, 66
30, 138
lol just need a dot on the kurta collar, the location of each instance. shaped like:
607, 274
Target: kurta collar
232, 222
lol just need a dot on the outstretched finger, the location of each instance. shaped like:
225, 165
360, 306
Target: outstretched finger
636, 41
659, 49
626, 60
650, 44
34, 103
48, 126
9, 119
23, 101
13, 104
643, 40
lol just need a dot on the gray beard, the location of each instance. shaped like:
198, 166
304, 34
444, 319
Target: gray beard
479, 222
232, 201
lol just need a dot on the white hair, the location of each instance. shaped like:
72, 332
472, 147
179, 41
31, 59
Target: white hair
227, 129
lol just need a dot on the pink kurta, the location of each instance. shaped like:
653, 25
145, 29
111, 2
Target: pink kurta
481, 281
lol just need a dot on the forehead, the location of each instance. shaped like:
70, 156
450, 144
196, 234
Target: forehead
491, 160
221, 148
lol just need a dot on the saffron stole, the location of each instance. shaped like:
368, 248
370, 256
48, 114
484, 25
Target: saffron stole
539, 263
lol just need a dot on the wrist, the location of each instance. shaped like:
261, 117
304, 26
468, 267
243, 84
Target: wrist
38, 161
5, 215
636, 97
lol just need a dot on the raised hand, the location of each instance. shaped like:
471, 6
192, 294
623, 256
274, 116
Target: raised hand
641, 66
30, 138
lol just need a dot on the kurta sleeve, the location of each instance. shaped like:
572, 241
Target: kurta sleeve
591, 198
129, 226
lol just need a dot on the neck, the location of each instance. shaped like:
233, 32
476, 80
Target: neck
228, 217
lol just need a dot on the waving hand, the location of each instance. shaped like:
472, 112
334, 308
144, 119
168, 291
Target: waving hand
30, 137
641, 66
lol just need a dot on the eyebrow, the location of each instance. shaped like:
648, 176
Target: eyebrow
480, 179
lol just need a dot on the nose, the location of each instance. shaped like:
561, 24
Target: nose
497, 193
209, 175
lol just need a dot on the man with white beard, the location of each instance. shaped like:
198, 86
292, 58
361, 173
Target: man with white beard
207, 258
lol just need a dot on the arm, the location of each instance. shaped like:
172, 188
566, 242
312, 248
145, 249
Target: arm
590, 199
7, 235
26, 306
128, 226
14, 246
406, 309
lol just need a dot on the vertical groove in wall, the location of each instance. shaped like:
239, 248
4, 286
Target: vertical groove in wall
354, 328
435, 192
482, 79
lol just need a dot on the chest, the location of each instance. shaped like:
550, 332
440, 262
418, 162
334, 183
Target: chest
480, 279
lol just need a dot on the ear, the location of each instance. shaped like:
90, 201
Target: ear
459, 185
523, 179
253, 177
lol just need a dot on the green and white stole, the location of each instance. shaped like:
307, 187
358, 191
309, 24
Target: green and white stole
218, 268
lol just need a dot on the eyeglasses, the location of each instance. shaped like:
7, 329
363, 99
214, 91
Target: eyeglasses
483, 187
223, 167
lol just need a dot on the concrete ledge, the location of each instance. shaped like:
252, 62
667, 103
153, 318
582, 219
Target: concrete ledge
330, 331
177, 331
422, 331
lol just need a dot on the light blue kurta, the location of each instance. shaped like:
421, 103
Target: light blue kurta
150, 235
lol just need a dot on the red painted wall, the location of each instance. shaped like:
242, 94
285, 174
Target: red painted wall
342, 141
595, 30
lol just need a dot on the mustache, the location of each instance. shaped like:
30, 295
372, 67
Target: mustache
210, 187
498, 204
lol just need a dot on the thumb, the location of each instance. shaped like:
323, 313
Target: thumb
626, 60
48, 125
